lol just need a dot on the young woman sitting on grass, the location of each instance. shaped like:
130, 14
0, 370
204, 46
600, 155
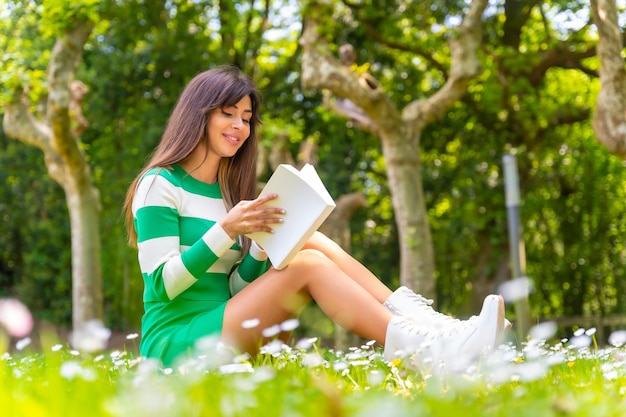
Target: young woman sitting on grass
188, 211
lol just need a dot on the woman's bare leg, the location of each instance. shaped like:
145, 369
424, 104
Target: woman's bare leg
350, 266
279, 295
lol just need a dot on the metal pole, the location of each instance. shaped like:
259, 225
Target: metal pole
516, 242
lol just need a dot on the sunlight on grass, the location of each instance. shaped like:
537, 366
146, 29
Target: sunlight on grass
570, 377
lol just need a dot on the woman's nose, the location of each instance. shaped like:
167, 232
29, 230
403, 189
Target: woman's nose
237, 123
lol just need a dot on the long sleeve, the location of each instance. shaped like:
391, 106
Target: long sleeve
253, 265
177, 245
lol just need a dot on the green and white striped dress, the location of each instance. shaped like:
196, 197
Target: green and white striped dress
186, 259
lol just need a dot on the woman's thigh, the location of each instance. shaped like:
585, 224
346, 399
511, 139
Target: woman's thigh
270, 300
349, 265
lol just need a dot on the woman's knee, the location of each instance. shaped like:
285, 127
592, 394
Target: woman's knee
322, 243
310, 258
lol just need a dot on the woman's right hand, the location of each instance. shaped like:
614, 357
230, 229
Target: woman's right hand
250, 216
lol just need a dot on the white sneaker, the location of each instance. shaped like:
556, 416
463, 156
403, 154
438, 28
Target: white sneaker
405, 302
468, 340
452, 346
404, 338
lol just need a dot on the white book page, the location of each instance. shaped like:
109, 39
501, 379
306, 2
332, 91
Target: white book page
309, 173
305, 209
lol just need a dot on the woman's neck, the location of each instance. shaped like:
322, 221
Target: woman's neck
205, 171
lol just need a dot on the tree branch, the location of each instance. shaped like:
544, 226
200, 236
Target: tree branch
562, 56
320, 70
375, 34
352, 112
64, 61
19, 122
516, 15
465, 67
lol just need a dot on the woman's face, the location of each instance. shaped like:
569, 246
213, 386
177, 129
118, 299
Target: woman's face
229, 127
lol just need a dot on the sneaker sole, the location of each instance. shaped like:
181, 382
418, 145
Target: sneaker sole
503, 323
493, 306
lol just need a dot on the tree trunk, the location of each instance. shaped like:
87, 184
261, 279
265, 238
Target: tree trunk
399, 131
83, 204
404, 172
610, 117
400, 148
67, 165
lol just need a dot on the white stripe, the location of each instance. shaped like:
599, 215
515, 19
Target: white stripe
256, 252
176, 278
227, 260
154, 190
236, 283
224, 262
154, 252
194, 205
158, 191
217, 239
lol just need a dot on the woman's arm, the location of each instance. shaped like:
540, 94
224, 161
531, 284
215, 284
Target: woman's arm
166, 271
254, 264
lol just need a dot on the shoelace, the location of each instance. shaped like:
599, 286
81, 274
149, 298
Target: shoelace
414, 330
431, 332
421, 299
426, 303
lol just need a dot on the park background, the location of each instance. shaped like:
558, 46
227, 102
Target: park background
405, 107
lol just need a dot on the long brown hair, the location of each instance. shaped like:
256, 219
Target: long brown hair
187, 126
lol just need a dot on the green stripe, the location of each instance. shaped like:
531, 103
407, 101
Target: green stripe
154, 290
192, 185
250, 268
192, 229
210, 286
178, 177
168, 174
198, 258
156, 221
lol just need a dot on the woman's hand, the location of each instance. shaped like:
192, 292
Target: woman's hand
250, 216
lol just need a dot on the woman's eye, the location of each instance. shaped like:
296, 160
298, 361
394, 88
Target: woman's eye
232, 114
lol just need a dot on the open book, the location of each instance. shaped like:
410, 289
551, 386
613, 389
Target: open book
307, 204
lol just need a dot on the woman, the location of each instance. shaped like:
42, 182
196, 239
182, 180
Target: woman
188, 211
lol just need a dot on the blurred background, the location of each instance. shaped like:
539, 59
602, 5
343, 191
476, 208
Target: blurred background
535, 97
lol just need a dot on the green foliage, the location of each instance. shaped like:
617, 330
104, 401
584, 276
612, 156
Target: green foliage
35, 262
567, 179
141, 54
24, 53
60, 16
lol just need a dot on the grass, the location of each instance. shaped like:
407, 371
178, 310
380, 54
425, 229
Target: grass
566, 378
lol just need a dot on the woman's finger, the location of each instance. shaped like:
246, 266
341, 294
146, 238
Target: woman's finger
265, 198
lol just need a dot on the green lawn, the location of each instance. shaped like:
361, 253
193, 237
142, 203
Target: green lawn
558, 379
